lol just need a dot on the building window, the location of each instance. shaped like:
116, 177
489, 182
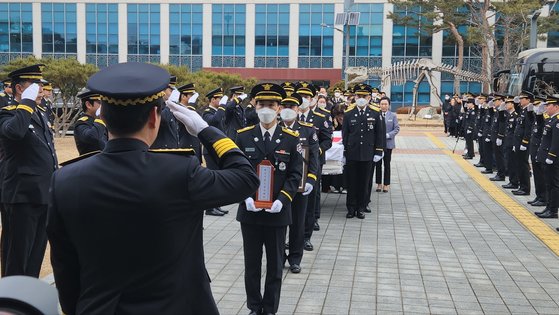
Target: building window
271, 41
143, 32
365, 44
228, 35
410, 43
316, 43
553, 37
16, 31
185, 35
102, 34
59, 29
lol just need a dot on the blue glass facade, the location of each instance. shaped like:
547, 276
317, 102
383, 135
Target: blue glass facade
553, 37
59, 29
228, 35
101, 34
16, 30
271, 40
316, 43
185, 35
365, 43
144, 32
410, 43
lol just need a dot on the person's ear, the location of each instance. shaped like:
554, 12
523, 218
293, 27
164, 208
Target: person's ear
153, 118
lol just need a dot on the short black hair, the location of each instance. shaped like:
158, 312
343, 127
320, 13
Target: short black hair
385, 98
126, 120
85, 100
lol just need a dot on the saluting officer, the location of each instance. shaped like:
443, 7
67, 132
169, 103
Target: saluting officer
267, 227
469, 127
486, 123
538, 167
309, 143
29, 161
6, 96
234, 113
522, 134
498, 128
509, 148
187, 98
362, 136
90, 133
46, 103
168, 136
547, 153
480, 115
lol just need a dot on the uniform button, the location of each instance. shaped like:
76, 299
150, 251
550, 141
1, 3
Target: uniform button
360, 142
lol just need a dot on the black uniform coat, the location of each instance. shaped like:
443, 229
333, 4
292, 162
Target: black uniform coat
549, 149
234, 117
362, 135
309, 139
523, 128
251, 116
537, 133
125, 227
215, 117
90, 134
511, 126
288, 163
487, 123
168, 135
323, 129
29, 154
499, 125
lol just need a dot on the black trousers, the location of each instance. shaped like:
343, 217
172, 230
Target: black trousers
310, 212
552, 186
481, 150
371, 181
317, 196
470, 144
357, 184
512, 168
24, 239
273, 240
523, 169
386, 160
539, 179
488, 160
498, 151
297, 229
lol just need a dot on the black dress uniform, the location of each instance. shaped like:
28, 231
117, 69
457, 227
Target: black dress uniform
215, 116
263, 228
186, 140
29, 161
522, 134
362, 138
480, 114
470, 130
5, 98
549, 150
538, 167
487, 123
234, 113
512, 170
125, 225
90, 133
250, 115
498, 128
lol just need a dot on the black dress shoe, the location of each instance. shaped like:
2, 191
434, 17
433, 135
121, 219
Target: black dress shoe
540, 212
539, 203
316, 226
214, 212
510, 186
368, 209
520, 193
497, 179
468, 158
349, 215
479, 165
308, 246
360, 215
487, 172
221, 210
295, 268
377, 190
535, 200
255, 313
548, 214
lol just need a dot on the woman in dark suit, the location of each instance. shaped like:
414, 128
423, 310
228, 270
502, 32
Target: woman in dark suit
392, 129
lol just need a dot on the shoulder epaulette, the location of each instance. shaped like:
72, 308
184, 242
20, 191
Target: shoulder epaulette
350, 108
9, 107
246, 129
374, 108
79, 158
100, 121
249, 106
2, 94
306, 124
191, 107
545, 115
84, 118
41, 108
319, 114
174, 151
290, 132
208, 110
325, 110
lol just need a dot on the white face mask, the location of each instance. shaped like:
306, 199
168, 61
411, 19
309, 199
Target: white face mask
447, 97
337, 95
266, 115
306, 103
288, 115
361, 102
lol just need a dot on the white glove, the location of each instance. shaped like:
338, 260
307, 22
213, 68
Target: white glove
276, 207
523, 148
223, 100
516, 99
193, 98
487, 139
308, 189
539, 110
98, 112
387, 136
175, 96
249, 202
468, 131
548, 161
243, 96
31, 92
513, 149
530, 107
499, 142
377, 158
479, 134
190, 119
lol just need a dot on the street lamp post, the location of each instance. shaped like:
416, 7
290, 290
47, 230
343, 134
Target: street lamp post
345, 31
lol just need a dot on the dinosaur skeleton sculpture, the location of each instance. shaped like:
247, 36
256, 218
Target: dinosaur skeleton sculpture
413, 69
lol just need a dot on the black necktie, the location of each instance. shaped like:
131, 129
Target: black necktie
267, 141
302, 117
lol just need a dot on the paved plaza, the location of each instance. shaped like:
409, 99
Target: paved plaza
436, 243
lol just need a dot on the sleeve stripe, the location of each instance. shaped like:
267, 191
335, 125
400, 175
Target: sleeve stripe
553, 155
25, 108
288, 196
380, 149
311, 176
223, 146
525, 141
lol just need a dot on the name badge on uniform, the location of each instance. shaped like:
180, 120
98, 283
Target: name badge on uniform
250, 149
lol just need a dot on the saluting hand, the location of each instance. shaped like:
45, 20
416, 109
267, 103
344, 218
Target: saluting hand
31, 92
193, 98
190, 119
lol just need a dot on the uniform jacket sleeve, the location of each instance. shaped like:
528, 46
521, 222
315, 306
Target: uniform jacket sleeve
396, 127
63, 256
15, 123
554, 149
528, 124
325, 137
345, 131
89, 134
214, 118
230, 108
502, 125
294, 175
380, 135
314, 158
